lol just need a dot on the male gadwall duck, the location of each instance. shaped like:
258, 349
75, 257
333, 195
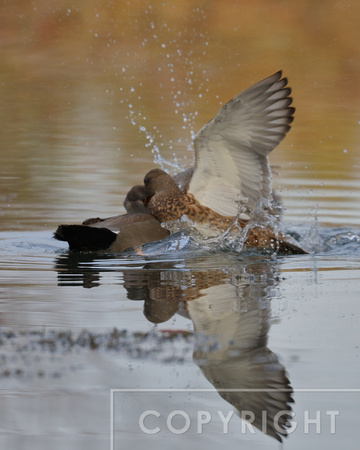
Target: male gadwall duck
232, 174
118, 233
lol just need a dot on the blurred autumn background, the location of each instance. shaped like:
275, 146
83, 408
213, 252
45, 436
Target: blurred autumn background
92, 91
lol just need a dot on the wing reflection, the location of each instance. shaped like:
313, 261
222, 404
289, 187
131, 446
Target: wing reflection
230, 308
232, 322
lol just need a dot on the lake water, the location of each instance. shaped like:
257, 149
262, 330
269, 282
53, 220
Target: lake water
159, 350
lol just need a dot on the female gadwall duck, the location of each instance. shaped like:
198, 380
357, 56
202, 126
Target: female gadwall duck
232, 174
118, 233
168, 203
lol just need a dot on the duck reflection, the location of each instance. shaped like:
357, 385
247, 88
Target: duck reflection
232, 323
77, 269
231, 312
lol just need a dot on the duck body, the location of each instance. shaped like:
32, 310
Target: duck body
118, 233
168, 203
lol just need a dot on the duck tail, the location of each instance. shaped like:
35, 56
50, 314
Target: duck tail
289, 248
84, 238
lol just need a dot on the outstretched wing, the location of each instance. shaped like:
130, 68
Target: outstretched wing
231, 151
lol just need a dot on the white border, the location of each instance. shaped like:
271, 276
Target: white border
112, 391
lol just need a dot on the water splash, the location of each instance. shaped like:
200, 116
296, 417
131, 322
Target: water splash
312, 239
180, 84
234, 238
342, 243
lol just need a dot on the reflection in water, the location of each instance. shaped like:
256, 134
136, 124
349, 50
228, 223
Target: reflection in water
230, 311
75, 270
233, 319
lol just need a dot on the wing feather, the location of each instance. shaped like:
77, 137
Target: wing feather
231, 151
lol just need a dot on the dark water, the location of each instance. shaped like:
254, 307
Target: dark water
95, 95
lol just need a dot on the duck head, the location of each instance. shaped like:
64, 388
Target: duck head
135, 200
157, 181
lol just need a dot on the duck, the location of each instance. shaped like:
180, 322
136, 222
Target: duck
118, 233
134, 203
231, 178
232, 174
169, 203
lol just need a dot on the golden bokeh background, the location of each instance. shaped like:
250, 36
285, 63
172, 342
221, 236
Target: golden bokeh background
90, 91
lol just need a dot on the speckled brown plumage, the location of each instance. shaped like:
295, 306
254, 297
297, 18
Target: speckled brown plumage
168, 203
167, 208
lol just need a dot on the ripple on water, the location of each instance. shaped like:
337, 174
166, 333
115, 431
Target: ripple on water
82, 324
